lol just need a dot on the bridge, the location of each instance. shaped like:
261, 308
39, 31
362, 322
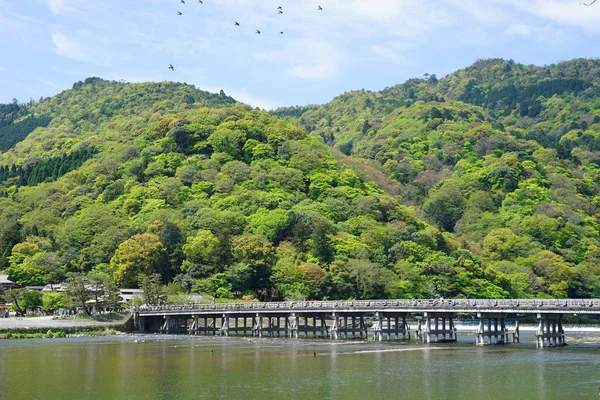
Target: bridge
385, 319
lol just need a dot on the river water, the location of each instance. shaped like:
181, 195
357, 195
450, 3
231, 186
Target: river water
167, 367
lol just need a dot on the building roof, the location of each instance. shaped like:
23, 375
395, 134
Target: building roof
6, 283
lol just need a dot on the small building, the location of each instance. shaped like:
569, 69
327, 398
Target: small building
6, 284
128, 294
56, 287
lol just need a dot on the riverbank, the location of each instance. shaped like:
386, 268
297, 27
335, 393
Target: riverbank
50, 327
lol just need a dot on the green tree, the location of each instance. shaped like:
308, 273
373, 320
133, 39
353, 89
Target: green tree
77, 291
153, 291
31, 299
14, 297
203, 249
258, 255
52, 301
112, 295
445, 207
142, 253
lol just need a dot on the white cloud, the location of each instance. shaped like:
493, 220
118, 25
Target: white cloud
81, 46
53, 84
519, 30
394, 52
243, 96
564, 12
308, 59
379, 10
63, 6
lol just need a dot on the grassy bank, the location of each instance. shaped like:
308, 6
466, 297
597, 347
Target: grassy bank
73, 330
58, 333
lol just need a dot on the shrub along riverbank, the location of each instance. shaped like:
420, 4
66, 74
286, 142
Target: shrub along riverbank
73, 328
57, 333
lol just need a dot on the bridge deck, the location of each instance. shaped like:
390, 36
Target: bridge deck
466, 306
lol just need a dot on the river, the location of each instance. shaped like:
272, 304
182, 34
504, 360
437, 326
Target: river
167, 367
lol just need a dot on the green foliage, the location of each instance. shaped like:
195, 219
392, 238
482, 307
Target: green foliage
78, 292
44, 171
52, 301
478, 184
140, 254
153, 291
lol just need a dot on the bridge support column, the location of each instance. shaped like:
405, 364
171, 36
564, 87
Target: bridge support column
305, 327
494, 332
550, 331
193, 330
257, 325
334, 327
433, 332
391, 326
224, 331
516, 334
324, 327
378, 327
293, 324
362, 327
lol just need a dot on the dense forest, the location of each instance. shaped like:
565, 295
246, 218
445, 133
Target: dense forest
483, 183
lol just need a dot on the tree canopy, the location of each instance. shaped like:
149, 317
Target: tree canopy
482, 183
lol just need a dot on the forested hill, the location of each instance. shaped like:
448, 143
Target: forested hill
126, 180
493, 198
503, 156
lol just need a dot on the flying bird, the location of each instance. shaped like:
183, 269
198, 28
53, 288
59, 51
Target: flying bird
320, 8
279, 12
237, 23
279, 8
179, 13
171, 67
257, 32
281, 33
182, 1
200, 1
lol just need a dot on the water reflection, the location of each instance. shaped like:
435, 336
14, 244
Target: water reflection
167, 368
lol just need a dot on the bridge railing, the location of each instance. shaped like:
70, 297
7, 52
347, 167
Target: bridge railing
442, 304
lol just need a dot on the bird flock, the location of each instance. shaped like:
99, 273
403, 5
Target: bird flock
237, 24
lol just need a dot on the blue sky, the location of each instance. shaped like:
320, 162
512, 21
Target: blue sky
47, 45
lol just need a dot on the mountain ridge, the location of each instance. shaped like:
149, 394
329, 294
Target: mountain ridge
494, 199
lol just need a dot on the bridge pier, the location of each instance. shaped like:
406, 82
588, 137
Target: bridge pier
492, 332
205, 328
318, 328
292, 322
550, 331
390, 330
439, 327
173, 325
224, 329
346, 324
257, 325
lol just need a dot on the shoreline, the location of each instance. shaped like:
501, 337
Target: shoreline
48, 327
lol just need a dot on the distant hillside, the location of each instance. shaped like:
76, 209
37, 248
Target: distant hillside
504, 156
129, 179
479, 184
